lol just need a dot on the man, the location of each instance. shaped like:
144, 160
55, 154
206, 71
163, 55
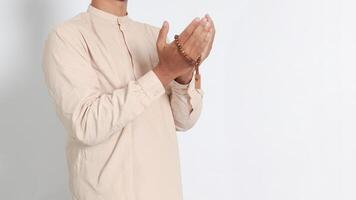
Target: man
121, 91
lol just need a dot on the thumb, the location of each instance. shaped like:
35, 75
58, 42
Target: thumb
162, 36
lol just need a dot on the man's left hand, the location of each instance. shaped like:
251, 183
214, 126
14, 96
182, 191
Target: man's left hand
188, 31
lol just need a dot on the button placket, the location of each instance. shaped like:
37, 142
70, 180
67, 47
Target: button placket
122, 28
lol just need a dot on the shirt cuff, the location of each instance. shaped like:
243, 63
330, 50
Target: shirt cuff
151, 85
179, 88
189, 92
180, 85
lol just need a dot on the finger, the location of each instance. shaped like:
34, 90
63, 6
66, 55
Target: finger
189, 30
203, 36
202, 42
207, 47
213, 30
211, 22
162, 35
193, 39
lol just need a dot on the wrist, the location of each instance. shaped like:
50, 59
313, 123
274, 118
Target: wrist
185, 78
163, 74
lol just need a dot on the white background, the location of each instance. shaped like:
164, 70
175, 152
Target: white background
279, 109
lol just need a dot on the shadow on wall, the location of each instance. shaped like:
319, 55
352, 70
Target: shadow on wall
32, 144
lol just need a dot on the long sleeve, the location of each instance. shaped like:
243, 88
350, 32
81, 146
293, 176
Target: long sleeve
186, 101
186, 104
89, 114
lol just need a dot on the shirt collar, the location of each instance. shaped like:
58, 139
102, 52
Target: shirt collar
108, 16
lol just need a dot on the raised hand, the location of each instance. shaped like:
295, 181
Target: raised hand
195, 34
195, 39
189, 32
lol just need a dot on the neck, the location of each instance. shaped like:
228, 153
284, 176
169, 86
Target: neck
115, 7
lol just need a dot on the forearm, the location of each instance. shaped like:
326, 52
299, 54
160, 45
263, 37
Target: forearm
93, 116
186, 104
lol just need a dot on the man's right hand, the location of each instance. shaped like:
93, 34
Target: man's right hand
171, 64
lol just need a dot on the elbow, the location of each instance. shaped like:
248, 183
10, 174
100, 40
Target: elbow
85, 129
92, 137
185, 125
86, 139
84, 136
90, 133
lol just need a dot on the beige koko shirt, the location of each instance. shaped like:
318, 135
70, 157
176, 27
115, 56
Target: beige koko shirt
121, 121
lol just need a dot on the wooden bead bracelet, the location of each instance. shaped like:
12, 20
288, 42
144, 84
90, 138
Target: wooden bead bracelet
190, 60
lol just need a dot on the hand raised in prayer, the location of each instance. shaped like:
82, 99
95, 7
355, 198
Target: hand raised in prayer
196, 40
191, 30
